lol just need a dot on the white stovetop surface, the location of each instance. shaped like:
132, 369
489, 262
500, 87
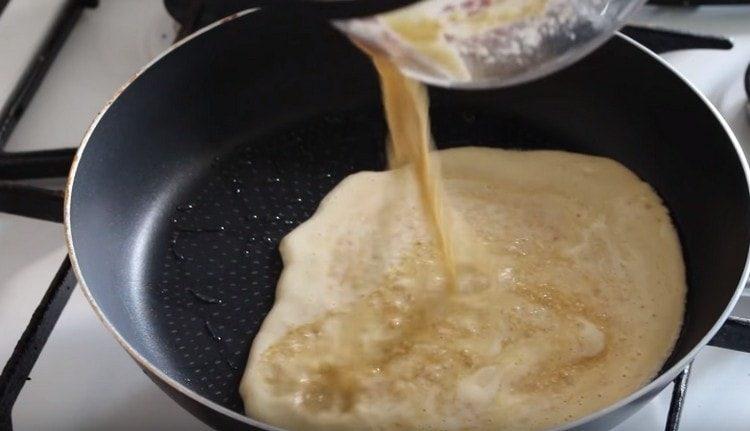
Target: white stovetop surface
84, 380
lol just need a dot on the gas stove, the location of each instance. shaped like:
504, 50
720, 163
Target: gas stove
63, 59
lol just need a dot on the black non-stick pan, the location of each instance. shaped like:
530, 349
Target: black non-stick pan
189, 178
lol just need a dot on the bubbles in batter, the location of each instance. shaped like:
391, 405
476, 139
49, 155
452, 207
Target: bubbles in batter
569, 296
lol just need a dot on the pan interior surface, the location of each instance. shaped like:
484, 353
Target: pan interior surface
177, 207
223, 248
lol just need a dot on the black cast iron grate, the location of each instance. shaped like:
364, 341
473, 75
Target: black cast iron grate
46, 204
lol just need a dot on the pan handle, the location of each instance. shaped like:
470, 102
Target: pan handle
32, 200
185, 11
36, 164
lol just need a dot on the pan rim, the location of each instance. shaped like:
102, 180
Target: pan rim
140, 359
659, 382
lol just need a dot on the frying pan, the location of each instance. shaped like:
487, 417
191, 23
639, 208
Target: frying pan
190, 176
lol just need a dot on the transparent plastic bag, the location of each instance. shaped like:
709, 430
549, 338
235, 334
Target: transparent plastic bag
489, 43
